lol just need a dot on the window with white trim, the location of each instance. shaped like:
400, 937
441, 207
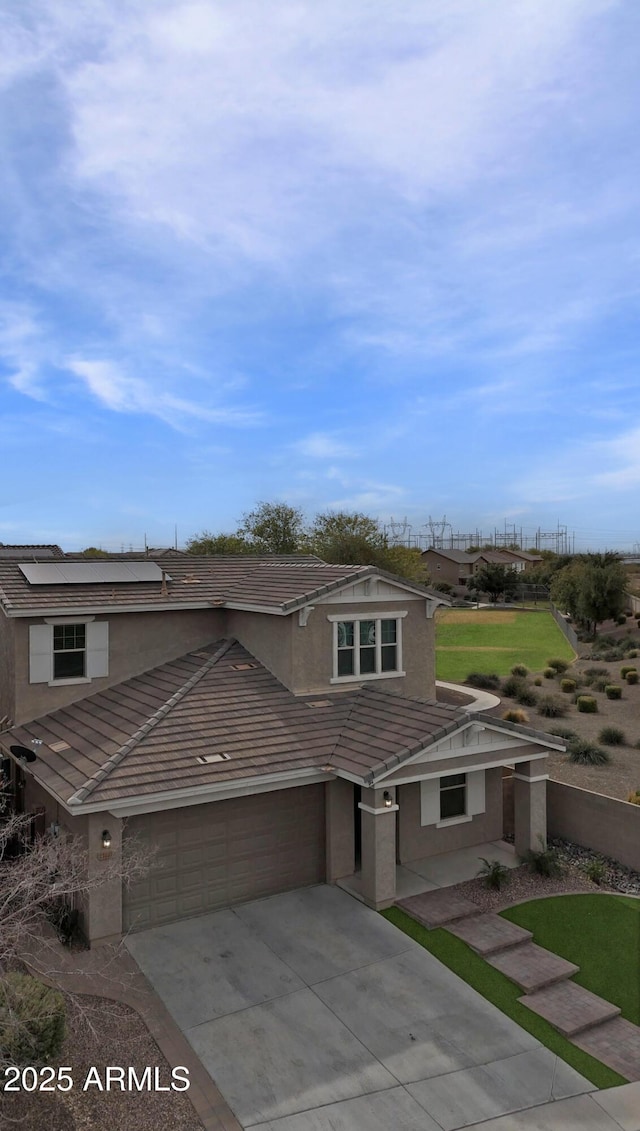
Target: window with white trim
69, 651
367, 646
453, 796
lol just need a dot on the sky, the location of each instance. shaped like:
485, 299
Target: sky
359, 256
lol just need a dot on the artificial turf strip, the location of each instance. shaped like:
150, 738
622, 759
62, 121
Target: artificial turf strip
600, 933
502, 993
509, 637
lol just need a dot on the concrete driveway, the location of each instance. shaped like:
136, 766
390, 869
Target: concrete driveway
311, 1012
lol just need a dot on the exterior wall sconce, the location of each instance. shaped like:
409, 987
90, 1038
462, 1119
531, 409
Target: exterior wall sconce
387, 798
106, 839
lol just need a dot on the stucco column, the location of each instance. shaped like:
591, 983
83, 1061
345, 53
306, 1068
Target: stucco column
103, 903
530, 805
378, 848
339, 829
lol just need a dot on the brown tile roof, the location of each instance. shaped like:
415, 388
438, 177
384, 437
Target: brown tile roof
143, 737
30, 553
460, 556
276, 584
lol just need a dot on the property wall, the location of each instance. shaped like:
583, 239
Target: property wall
633, 603
594, 821
7, 669
416, 841
137, 642
565, 628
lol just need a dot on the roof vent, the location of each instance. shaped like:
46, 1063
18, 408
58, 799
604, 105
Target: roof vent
319, 703
57, 747
205, 759
243, 667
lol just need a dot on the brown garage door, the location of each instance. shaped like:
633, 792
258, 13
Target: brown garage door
210, 856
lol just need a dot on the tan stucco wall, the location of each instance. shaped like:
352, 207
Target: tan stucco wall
443, 569
137, 642
268, 638
604, 824
416, 841
7, 669
339, 815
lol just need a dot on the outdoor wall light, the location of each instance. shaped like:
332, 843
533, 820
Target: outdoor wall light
106, 839
387, 798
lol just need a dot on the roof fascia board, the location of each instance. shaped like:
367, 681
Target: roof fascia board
180, 798
490, 765
98, 610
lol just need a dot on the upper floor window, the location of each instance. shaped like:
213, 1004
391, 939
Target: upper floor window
366, 646
69, 651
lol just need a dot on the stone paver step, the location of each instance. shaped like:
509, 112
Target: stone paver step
570, 1008
488, 934
617, 1044
435, 908
532, 967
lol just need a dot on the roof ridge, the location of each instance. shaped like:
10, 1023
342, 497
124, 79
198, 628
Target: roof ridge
114, 760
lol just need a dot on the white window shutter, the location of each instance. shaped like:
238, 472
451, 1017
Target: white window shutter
40, 653
475, 793
430, 801
97, 648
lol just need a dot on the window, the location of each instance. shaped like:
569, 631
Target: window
69, 651
453, 796
366, 647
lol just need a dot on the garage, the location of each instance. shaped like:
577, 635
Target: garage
225, 852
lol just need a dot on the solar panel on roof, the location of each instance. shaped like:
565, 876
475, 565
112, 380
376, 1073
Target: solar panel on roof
90, 573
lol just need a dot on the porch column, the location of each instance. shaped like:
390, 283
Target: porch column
378, 847
530, 805
339, 829
103, 900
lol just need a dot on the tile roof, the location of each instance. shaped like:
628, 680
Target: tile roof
276, 584
453, 555
30, 553
143, 737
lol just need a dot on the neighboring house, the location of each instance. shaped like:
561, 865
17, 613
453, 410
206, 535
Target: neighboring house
263, 723
457, 566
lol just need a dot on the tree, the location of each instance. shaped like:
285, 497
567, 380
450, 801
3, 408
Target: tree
494, 580
207, 543
273, 528
591, 588
347, 538
94, 552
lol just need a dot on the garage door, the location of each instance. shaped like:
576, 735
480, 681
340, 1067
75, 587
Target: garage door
214, 855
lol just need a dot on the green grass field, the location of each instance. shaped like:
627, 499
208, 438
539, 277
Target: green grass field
488, 640
600, 933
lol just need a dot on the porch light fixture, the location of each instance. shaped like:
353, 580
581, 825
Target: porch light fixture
106, 839
387, 798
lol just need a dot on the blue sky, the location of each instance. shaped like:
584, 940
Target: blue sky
350, 256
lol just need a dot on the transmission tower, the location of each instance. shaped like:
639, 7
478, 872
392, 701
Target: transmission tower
400, 532
437, 528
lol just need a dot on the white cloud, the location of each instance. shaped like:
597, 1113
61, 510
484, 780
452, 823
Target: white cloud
325, 445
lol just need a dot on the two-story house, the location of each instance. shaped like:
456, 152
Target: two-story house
261, 723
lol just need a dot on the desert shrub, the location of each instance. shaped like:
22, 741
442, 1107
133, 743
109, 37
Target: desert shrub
538, 681
549, 673
626, 668
596, 870
601, 683
613, 691
568, 685
612, 736
552, 707
526, 696
495, 874
32, 1020
634, 798
631, 677
544, 862
563, 732
621, 619
512, 685
520, 670
587, 704
558, 665
483, 681
632, 653
594, 672
515, 715
586, 753
611, 655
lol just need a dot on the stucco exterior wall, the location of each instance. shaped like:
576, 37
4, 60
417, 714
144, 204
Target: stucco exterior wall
443, 569
268, 638
594, 821
137, 642
7, 669
416, 840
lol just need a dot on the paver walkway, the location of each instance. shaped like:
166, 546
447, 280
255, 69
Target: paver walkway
592, 1023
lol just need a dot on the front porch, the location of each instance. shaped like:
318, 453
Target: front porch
445, 870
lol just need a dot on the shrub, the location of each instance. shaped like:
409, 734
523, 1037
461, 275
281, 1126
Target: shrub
552, 707
587, 704
634, 798
596, 870
626, 668
495, 874
600, 684
558, 665
632, 677
612, 736
483, 681
568, 685
515, 715
32, 1020
545, 862
632, 653
563, 732
527, 696
549, 673
512, 685
586, 753
613, 691
538, 681
593, 673
621, 619
520, 670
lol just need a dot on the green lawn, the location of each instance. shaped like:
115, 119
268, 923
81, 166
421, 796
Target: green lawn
600, 933
488, 640
504, 994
